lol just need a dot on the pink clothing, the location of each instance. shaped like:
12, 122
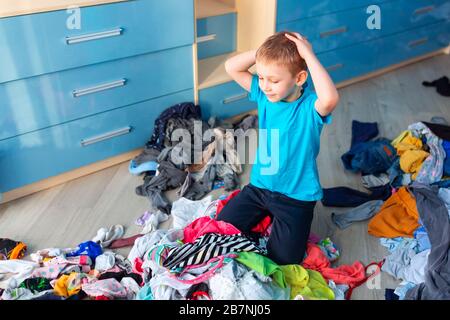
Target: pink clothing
110, 288
206, 225
222, 203
316, 260
49, 271
314, 238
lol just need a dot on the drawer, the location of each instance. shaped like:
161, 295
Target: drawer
411, 14
413, 43
41, 154
345, 63
50, 99
41, 43
342, 29
357, 60
216, 35
224, 101
289, 10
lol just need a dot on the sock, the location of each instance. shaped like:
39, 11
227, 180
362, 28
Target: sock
124, 242
442, 85
143, 219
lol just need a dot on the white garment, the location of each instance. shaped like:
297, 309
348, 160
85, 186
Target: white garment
39, 255
172, 236
165, 287
212, 209
153, 222
13, 272
415, 271
105, 261
131, 286
144, 243
224, 284
339, 290
235, 282
444, 194
255, 286
184, 211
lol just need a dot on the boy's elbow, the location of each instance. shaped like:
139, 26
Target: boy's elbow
331, 102
228, 67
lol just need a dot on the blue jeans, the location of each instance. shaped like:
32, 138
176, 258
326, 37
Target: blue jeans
370, 157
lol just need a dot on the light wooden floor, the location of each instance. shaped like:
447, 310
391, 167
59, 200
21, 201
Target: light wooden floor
71, 213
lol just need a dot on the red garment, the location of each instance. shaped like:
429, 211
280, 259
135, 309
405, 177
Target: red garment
205, 225
261, 227
124, 242
102, 298
316, 260
137, 267
222, 203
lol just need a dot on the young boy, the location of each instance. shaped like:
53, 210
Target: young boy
286, 106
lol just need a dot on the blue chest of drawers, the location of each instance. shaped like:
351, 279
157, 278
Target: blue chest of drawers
72, 97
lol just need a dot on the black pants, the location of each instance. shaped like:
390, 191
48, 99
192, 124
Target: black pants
291, 221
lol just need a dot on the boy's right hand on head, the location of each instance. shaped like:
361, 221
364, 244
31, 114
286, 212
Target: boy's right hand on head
303, 46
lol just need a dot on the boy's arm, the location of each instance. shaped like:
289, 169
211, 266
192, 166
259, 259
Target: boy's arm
237, 67
327, 95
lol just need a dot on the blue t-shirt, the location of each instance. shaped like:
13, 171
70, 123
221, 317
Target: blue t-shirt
285, 160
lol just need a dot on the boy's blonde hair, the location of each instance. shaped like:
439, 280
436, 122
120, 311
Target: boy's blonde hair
279, 49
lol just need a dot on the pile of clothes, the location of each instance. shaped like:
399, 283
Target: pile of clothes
200, 258
408, 204
205, 157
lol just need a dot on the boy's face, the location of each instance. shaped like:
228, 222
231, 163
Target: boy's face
277, 82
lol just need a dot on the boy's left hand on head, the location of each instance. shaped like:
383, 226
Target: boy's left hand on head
303, 46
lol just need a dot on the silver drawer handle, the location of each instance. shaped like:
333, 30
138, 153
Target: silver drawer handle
335, 67
332, 32
94, 36
208, 37
105, 136
418, 42
423, 10
101, 87
235, 98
